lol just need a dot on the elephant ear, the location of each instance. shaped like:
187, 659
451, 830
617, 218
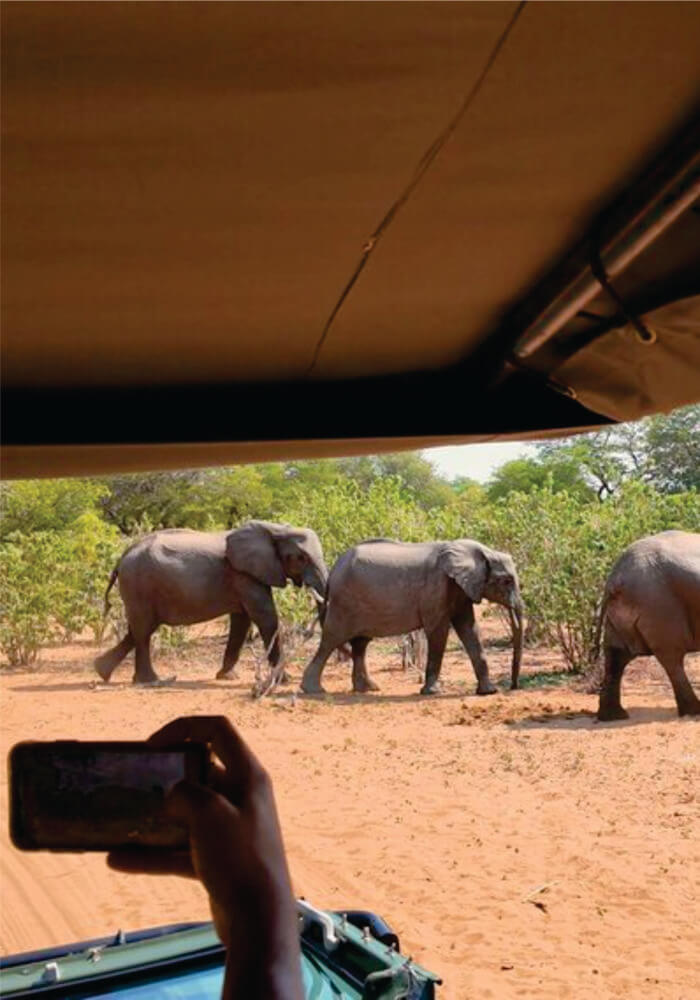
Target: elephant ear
251, 549
466, 563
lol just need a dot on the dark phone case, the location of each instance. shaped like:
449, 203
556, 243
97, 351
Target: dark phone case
22, 754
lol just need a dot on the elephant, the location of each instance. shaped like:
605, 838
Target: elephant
179, 577
651, 606
382, 587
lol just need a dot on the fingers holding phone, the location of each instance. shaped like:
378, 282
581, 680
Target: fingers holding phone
236, 850
193, 800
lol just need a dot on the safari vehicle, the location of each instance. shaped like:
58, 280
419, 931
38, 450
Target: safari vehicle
350, 955
250, 232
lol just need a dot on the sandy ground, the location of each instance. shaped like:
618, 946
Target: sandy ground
443, 815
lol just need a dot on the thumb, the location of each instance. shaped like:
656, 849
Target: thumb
201, 810
186, 799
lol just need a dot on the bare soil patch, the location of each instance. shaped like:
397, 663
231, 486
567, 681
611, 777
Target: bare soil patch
519, 848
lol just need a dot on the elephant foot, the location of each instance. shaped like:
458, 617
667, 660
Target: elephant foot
103, 670
227, 673
364, 686
312, 686
689, 709
154, 681
487, 689
612, 713
433, 687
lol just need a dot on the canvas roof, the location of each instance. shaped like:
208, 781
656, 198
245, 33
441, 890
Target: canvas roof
189, 189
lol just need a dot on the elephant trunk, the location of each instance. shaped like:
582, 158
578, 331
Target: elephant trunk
515, 613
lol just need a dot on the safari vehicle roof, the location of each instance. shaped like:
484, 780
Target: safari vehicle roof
237, 232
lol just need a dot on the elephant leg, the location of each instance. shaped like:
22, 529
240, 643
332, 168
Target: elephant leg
240, 623
464, 624
260, 607
268, 625
106, 664
269, 633
144, 672
361, 681
686, 699
610, 705
437, 640
311, 681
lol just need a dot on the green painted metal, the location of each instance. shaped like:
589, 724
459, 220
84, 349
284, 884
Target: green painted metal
359, 968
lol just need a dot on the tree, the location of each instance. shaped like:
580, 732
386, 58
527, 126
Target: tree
560, 472
191, 498
415, 473
46, 504
663, 451
673, 445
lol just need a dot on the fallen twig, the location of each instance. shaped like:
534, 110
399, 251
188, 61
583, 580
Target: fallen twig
529, 898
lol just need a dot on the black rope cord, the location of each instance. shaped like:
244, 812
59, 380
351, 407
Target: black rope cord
423, 166
644, 333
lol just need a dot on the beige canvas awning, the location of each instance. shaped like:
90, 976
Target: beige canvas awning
189, 188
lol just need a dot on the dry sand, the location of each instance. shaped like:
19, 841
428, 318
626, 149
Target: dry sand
443, 815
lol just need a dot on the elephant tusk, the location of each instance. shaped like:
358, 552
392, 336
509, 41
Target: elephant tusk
317, 596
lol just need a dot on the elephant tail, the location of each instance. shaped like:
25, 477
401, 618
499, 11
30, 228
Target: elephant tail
600, 619
112, 580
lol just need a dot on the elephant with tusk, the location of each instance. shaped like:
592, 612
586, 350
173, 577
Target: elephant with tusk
179, 577
384, 588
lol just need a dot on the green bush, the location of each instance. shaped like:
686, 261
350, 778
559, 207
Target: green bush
564, 548
53, 585
28, 566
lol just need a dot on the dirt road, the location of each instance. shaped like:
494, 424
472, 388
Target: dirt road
519, 848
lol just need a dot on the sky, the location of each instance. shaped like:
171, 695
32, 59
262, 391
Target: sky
477, 461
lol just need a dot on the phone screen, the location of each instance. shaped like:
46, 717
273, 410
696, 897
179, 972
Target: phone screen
98, 796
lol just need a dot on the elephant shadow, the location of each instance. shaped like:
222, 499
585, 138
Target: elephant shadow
640, 716
120, 686
377, 698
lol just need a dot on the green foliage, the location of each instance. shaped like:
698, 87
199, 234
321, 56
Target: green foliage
53, 584
523, 475
415, 473
202, 499
663, 451
28, 573
564, 548
673, 444
345, 514
46, 504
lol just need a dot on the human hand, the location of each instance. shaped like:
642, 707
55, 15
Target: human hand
236, 851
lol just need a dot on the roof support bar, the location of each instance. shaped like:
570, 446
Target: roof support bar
659, 212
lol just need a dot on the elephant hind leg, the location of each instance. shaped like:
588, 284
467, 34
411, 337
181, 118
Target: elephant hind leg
106, 664
361, 681
610, 706
144, 672
311, 681
437, 640
686, 699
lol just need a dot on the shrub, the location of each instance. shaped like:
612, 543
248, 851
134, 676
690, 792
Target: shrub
564, 548
53, 585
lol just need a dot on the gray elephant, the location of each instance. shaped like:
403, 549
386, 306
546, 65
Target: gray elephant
383, 588
651, 607
179, 577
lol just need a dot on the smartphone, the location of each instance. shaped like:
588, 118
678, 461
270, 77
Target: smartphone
97, 796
